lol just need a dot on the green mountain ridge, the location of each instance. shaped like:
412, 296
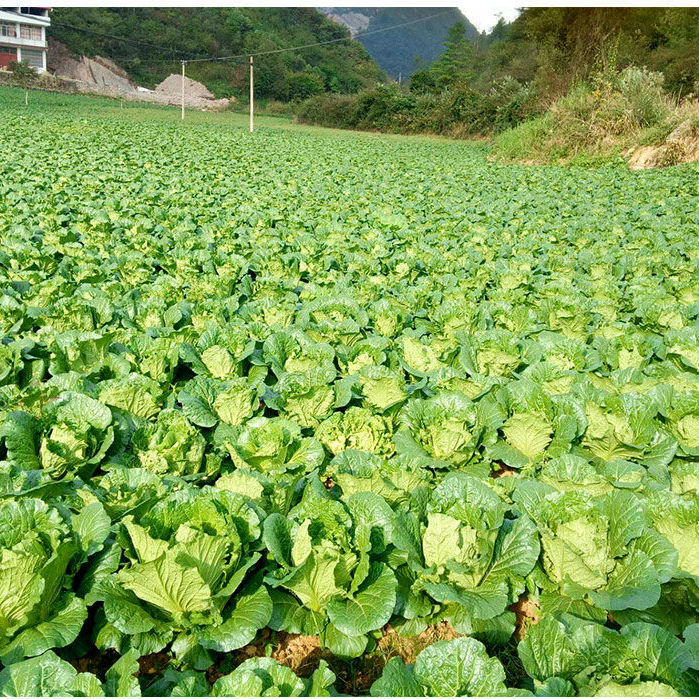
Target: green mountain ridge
149, 43
402, 50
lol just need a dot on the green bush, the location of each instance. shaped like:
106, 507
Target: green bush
22, 72
460, 111
597, 119
306, 84
515, 143
643, 94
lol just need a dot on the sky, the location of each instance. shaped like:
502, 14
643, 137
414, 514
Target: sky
485, 15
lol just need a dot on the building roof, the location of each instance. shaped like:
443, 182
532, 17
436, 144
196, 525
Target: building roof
6, 16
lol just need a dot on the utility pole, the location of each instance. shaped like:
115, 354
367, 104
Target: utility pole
252, 95
183, 89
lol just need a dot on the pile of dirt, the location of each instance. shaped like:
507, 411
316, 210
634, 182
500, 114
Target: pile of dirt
681, 146
172, 85
195, 94
102, 76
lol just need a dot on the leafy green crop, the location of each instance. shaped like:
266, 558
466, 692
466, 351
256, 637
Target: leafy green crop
313, 383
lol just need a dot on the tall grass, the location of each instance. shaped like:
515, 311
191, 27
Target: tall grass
597, 120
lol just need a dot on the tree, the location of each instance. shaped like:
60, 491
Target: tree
303, 85
456, 63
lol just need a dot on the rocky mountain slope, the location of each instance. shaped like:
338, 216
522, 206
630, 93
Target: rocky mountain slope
396, 50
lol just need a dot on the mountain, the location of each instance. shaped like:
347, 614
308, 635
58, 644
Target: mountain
150, 42
396, 50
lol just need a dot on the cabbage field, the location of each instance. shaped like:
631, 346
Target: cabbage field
309, 412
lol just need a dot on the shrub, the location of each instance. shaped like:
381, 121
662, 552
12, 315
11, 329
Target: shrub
601, 117
303, 85
643, 94
460, 111
22, 72
522, 141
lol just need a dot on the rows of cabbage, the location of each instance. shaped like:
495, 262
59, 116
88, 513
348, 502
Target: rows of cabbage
216, 420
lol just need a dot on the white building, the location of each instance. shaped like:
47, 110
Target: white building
23, 35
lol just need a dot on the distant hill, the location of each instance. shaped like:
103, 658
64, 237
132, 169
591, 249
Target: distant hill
396, 50
149, 43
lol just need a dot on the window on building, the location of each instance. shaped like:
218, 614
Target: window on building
9, 30
33, 33
34, 58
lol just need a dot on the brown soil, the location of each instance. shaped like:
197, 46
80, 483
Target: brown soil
392, 644
153, 664
172, 85
527, 613
300, 653
502, 471
97, 663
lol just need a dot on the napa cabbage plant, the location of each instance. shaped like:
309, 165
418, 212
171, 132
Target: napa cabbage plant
42, 547
186, 579
599, 551
72, 437
459, 557
330, 576
458, 668
591, 660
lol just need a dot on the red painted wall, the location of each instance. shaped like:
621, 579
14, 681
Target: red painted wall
6, 57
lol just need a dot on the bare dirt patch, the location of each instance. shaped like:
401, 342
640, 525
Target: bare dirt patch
527, 614
97, 663
153, 664
502, 471
392, 644
300, 653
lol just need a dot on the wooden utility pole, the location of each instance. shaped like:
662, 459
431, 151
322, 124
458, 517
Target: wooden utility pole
183, 90
252, 95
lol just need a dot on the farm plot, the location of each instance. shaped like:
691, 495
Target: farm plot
341, 389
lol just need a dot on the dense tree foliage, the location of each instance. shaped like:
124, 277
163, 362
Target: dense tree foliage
553, 47
160, 37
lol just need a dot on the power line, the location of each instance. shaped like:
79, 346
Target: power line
119, 38
198, 59
320, 43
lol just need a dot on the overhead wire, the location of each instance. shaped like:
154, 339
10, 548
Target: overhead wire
119, 38
201, 59
319, 43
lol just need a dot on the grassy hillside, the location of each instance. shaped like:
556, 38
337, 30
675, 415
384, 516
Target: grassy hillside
160, 37
401, 51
